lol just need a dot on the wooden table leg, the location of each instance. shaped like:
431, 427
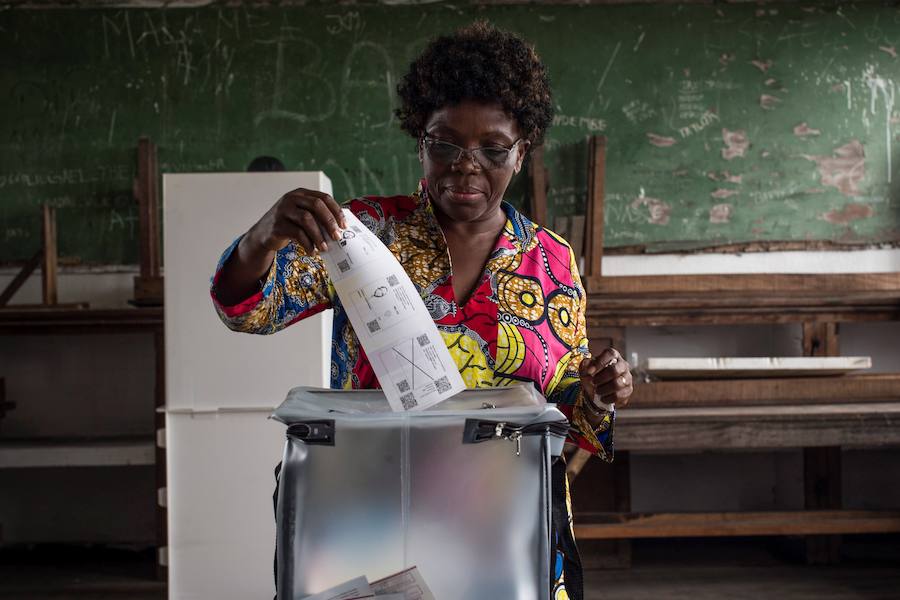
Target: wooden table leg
822, 466
822, 490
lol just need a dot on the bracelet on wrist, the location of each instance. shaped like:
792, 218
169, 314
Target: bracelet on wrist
598, 411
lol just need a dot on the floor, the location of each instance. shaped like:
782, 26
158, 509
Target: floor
93, 573
704, 569
750, 568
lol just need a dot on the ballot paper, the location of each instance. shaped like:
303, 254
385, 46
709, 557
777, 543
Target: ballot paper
355, 588
393, 325
409, 584
405, 585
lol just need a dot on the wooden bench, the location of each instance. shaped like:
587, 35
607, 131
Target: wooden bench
818, 414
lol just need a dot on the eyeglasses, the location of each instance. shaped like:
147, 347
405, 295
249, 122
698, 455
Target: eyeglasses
487, 157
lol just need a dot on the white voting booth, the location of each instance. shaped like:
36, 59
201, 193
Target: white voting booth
221, 387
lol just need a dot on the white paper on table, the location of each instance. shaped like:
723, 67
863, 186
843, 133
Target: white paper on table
393, 325
409, 584
355, 588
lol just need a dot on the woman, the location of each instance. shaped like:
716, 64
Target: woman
504, 292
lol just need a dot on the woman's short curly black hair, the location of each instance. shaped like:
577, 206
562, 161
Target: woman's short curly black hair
477, 62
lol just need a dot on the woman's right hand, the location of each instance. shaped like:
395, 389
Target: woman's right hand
300, 215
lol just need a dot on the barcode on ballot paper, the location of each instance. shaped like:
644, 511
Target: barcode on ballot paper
442, 384
373, 326
344, 266
408, 401
423, 339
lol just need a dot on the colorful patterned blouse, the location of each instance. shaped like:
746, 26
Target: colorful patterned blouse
524, 321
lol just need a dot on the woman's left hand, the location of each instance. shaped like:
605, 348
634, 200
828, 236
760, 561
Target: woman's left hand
609, 375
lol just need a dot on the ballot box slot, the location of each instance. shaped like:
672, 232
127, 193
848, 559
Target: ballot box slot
319, 432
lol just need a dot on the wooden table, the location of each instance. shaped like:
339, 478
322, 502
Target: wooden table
85, 321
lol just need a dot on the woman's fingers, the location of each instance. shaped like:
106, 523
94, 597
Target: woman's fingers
610, 372
623, 382
325, 217
309, 217
607, 375
336, 211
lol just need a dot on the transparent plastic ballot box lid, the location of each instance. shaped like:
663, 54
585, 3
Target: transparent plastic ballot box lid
303, 402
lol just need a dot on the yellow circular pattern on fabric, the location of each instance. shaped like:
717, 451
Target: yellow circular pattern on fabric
527, 299
561, 594
561, 313
512, 290
510, 348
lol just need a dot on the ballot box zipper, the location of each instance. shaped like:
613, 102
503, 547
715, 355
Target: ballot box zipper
480, 430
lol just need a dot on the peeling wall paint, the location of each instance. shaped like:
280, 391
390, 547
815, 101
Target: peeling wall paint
720, 213
849, 213
661, 141
844, 169
736, 144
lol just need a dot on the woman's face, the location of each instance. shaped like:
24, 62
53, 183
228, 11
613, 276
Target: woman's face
465, 191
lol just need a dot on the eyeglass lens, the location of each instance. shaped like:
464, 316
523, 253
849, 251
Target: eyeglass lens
488, 157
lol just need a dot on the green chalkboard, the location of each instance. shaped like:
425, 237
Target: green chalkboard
725, 123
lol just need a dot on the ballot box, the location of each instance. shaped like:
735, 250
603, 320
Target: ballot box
460, 491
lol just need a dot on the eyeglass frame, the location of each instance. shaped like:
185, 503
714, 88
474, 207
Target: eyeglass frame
471, 151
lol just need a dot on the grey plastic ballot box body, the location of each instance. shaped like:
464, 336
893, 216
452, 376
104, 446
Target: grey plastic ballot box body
461, 491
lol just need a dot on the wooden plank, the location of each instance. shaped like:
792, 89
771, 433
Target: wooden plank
741, 307
49, 264
76, 453
820, 339
762, 282
662, 525
148, 285
21, 277
711, 301
148, 291
751, 317
93, 321
576, 236
870, 425
762, 392
593, 240
822, 490
748, 367
146, 194
841, 411
538, 187
562, 226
